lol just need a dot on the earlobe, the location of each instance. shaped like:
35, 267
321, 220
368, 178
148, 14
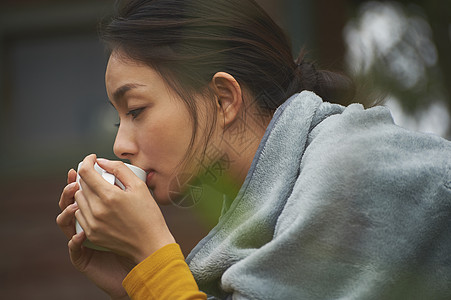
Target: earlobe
229, 96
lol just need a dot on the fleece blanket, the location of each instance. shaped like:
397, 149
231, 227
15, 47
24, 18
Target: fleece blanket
339, 203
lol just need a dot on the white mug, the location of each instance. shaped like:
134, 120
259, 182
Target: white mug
140, 173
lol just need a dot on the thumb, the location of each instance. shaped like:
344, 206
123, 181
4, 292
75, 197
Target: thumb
124, 176
76, 249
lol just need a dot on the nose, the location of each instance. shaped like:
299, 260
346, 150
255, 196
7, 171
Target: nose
124, 144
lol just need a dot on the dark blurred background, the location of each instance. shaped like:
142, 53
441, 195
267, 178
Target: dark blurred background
54, 110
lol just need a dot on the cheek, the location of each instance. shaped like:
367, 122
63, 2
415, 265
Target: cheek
166, 143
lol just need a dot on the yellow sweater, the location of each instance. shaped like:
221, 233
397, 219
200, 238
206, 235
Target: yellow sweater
163, 275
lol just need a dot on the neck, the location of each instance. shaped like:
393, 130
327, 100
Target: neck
240, 144
229, 157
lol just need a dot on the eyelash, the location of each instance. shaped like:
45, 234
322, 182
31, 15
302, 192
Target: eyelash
134, 113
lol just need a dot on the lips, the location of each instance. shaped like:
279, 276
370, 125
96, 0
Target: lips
149, 177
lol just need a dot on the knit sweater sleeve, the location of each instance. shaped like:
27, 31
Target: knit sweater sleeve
163, 275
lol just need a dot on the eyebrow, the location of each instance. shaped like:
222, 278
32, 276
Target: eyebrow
122, 90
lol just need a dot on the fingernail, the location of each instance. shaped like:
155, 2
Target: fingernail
102, 160
72, 184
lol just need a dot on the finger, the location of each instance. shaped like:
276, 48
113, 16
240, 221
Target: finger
67, 196
120, 171
90, 201
83, 213
71, 176
76, 241
76, 249
91, 178
66, 220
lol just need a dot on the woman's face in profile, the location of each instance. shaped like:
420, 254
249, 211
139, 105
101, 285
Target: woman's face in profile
155, 126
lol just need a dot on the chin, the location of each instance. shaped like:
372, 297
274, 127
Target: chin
161, 196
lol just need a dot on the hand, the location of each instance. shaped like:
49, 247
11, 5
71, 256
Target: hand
106, 270
129, 222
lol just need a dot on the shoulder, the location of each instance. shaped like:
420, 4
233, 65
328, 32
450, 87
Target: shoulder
371, 136
360, 163
364, 150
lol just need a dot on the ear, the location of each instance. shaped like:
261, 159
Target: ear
229, 96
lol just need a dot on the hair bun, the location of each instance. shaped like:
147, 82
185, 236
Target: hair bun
330, 86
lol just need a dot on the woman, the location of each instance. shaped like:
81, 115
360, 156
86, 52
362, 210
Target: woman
331, 201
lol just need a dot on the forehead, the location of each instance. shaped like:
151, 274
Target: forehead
125, 76
123, 73
120, 67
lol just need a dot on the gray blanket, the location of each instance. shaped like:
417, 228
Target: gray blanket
339, 203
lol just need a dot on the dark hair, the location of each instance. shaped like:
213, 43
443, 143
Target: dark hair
188, 41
